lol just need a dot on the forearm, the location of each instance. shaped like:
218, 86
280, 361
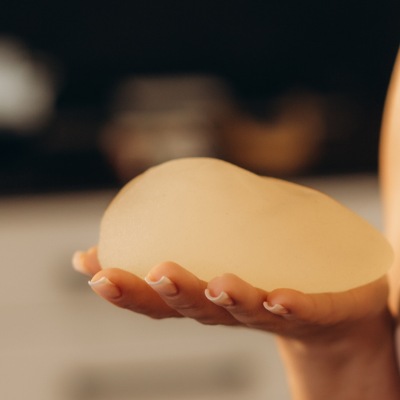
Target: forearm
359, 364
389, 169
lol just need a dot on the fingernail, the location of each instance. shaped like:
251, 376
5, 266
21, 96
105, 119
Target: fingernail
223, 299
77, 262
105, 288
162, 286
276, 308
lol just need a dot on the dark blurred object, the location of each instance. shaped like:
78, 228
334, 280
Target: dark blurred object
26, 167
261, 47
42, 149
63, 157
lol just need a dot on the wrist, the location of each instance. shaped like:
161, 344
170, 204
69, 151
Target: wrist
352, 360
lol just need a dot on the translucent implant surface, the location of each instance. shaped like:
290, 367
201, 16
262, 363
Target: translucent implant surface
212, 217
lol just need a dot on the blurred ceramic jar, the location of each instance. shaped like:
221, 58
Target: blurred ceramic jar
284, 140
156, 119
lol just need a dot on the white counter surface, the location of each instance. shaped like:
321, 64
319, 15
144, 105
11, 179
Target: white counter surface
59, 341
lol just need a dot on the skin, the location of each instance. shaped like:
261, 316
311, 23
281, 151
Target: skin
389, 164
336, 346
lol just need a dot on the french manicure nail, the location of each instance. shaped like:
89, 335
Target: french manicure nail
105, 288
163, 286
277, 309
223, 299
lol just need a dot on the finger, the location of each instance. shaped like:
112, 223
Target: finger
282, 311
184, 292
245, 303
86, 262
128, 291
316, 309
331, 308
293, 313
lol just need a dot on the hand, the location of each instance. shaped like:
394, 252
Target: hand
171, 291
348, 335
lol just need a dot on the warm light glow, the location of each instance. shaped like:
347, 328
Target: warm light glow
27, 88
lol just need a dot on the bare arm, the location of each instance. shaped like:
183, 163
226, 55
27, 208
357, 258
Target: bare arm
355, 362
390, 178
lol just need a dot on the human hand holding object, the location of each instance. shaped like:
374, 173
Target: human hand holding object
297, 254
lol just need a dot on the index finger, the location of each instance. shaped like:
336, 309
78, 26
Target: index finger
86, 262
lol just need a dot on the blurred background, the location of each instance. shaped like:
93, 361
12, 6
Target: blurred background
93, 93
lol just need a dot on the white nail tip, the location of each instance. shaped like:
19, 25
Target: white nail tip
275, 309
102, 281
162, 281
222, 299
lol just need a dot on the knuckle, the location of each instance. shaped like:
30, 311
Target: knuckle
191, 308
